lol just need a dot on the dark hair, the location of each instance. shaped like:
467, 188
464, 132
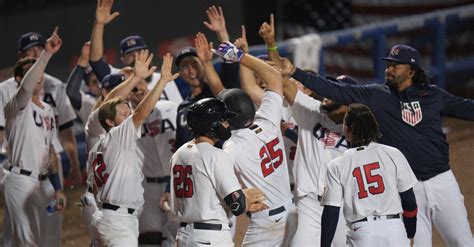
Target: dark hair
108, 111
420, 78
362, 124
20, 68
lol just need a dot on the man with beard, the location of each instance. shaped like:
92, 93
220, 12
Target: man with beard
410, 112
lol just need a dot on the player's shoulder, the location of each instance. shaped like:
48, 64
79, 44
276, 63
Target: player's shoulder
51, 80
166, 105
385, 148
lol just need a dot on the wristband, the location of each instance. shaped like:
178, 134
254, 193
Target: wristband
273, 48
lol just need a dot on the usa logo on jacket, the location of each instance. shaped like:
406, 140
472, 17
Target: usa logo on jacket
411, 113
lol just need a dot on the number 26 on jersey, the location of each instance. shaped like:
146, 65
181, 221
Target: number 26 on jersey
182, 181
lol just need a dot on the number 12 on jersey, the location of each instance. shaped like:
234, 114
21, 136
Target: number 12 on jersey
370, 178
183, 182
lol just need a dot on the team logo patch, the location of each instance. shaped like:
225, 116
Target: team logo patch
411, 113
131, 42
34, 37
394, 51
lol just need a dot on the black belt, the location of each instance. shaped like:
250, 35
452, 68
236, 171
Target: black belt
388, 217
270, 212
115, 207
28, 173
203, 226
158, 180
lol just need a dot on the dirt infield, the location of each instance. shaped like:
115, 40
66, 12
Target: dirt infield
460, 137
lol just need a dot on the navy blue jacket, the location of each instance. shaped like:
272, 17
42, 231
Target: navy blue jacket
410, 120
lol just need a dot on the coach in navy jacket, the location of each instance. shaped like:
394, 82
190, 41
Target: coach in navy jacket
410, 112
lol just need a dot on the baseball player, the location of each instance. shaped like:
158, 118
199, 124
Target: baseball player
117, 174
257, 147
30, 120
129, 46
373, 183
410, 111
155, 148
204, 179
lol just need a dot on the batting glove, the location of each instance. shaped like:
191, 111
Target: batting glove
229, 52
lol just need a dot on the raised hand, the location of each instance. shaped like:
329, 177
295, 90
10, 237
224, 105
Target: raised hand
286, 68
166, 74
267, 32
53, 44
241, 42
85, 51
142, 64
229, 52
217, 22
102, 12
203, 48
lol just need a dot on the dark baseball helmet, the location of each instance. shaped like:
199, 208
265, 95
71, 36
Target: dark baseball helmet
239, 102
204, 117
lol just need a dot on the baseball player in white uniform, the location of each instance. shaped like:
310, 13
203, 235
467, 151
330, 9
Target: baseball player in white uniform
155, 148
30, 120
257, 147
373, 183
204, 179
117, 174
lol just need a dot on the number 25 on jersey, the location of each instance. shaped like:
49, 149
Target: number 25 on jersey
182, 181
378, 186
271, 157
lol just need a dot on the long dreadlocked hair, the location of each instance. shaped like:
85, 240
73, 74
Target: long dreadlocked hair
361, 122
421, 78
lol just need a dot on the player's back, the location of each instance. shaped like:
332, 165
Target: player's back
371, 177
258, 151
202, 176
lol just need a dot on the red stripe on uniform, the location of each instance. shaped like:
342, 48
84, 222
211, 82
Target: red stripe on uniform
410, 214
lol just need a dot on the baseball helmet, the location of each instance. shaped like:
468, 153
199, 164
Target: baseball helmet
239, 102
204, 117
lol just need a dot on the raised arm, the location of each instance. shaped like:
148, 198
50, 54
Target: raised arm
267, 32
204, 52
74, 81
148, 103
141, 71
217, 23
247, 79
35, 73
102, 17
270, 75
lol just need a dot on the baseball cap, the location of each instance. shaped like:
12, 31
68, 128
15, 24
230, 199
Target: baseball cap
28, 40
404, 54
132, 43
187, 51
110, 81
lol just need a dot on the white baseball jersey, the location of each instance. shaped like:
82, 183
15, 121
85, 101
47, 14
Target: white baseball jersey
157, 143
7, 90
29, 133
258, 151
93, 129
117, 173
367, 181
55, 95
170, 92
202, 176
87, 103
319, 141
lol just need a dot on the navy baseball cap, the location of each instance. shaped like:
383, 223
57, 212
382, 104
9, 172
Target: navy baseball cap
110, 81
187, 51
28, 40
132, 43
404, 54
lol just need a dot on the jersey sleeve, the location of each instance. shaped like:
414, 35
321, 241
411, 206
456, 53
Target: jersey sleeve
341, 93
271, 108
406, 179
126, 134
225, 180
458, 107
333, 194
